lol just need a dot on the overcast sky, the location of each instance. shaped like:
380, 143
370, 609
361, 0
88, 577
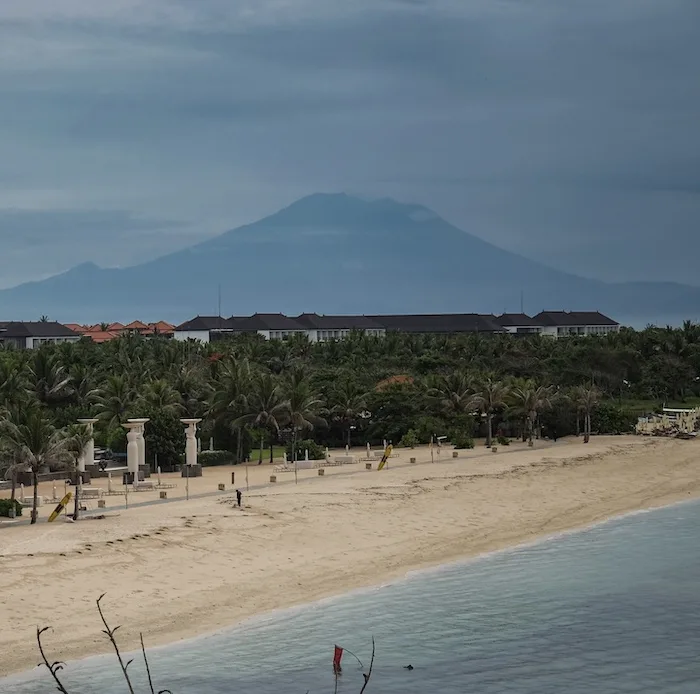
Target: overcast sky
567, 130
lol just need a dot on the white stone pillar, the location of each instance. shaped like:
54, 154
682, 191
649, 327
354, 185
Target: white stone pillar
132, 449
191, 440
88, 456
141, 440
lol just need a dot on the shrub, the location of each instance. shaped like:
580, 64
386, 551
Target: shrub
409, 439
428, 426
462, 440
212, 458
315, 451
502, 440
6, 505
608, 418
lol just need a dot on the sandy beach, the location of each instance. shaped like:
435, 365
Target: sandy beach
180, 568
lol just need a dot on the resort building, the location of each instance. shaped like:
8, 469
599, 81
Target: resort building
318, 328
322, 328
440, 323
519, 324
204, 328
567, 323
272, 326
28, 335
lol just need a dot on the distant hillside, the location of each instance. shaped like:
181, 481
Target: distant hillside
338, 254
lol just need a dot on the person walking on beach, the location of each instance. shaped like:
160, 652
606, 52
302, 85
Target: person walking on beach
239, 496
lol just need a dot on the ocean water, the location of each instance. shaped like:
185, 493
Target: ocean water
611, 609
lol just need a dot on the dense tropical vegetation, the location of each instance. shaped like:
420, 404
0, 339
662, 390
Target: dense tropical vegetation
254, 395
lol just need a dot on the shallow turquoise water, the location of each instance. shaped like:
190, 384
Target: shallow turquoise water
608, 610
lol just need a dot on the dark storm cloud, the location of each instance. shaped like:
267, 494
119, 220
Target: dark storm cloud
565, 131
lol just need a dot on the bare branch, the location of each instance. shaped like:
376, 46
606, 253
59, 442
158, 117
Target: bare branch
148, 669
54, 667
110, 634
369, 674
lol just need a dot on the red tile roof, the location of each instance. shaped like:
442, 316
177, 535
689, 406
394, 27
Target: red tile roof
136, 325
102, 335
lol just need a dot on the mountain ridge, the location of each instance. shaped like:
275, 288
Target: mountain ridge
334, 253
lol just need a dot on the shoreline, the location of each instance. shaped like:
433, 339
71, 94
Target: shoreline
450, 480
410, 574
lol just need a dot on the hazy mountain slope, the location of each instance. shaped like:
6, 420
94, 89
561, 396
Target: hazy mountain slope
336, 254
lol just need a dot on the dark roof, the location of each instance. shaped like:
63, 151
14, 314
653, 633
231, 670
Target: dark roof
572, 318
313, 321
35, 329
266, 321
206, 323
516, 320
440, 323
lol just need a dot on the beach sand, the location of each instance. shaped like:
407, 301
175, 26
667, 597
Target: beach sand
177, 569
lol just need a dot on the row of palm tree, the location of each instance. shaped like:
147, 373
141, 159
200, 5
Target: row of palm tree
524, 399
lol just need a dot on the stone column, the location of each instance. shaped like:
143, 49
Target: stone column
191, 440
88, 456
141, 441
132, 449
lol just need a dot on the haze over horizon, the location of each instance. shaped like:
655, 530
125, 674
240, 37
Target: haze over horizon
566, 133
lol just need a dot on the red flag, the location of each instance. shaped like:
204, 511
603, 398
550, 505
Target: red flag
336, 659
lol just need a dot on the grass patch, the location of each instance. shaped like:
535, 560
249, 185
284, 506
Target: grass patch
277, 452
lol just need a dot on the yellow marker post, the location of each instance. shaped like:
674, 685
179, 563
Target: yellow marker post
385, 457
61, 505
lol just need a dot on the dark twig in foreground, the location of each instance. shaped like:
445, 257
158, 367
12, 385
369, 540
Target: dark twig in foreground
110, 635
148, 669
369, 674
54, 667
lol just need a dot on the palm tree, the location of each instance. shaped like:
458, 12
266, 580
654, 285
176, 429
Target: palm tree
193, 390
13, 384
76, 439
266, 409
115, 399
36, 443
82, 383
454, 395
49, 380
228, 400
529, 400
492, 396
586, 399
302, 410
350, 403
159, 395
9, 466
